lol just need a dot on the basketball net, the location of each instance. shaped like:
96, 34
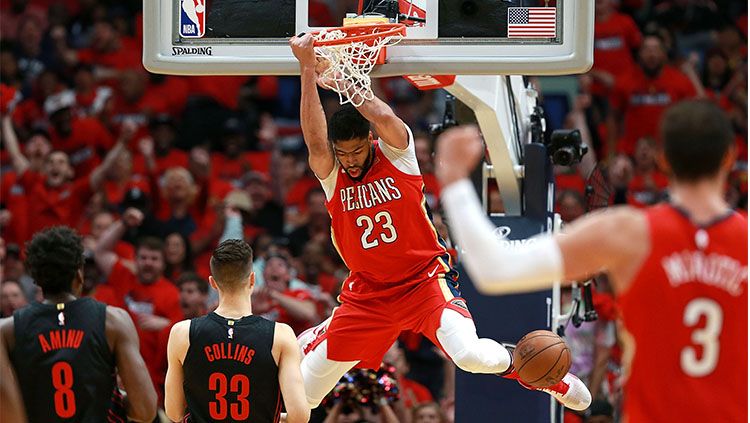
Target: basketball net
351, 57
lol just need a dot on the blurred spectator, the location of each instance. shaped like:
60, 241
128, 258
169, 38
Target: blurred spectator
14, 270
173, 90
318, 267
641, 96
133, 101
14, 199
571, 205
279, 302
411, 393
9, 72
30, 113
109, 51
91, 97
30, 57
267, 215
179, 193
734, 47
11, 297
163, 136
233, 160
178, 258
292, 185
428, 413
649, 183
53, 198
616, 36
120, 179
193, 295
317, 226
100, 222
140, 288
17, 12
83, 139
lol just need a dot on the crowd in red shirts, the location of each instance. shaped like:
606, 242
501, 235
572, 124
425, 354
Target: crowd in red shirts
155, 170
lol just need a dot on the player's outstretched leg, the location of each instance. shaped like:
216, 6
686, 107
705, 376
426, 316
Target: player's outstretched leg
319, 373
458, 337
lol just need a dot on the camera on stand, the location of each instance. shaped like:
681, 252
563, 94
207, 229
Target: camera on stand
565, 146
449, 116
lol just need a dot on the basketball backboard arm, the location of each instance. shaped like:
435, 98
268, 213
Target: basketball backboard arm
491, 101
571, 51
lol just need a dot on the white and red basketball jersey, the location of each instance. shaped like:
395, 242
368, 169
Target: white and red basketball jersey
687, 313
380, 225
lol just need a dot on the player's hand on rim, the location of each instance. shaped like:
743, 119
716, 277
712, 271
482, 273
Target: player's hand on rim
303, 49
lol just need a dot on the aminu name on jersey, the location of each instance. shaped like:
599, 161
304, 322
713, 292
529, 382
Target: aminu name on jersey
58, 339
369, 194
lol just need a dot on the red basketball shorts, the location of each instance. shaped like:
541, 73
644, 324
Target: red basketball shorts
372, 316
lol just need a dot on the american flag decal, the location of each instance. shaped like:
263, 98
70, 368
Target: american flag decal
532, 22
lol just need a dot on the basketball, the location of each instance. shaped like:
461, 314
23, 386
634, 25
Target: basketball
541, 358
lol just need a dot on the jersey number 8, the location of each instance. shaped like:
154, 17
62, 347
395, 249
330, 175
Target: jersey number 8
65, 398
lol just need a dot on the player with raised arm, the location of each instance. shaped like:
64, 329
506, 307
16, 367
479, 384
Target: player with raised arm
679, 269
400, 272
65, 350
231, 365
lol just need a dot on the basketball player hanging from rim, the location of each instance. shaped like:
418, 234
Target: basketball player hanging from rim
679, 269
400, 272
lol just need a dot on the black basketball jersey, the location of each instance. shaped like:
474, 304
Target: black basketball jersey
64, 364
230, 374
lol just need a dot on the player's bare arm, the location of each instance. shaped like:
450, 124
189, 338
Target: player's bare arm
619, 235
312, 117
12, 409
123, 340
286, 353
174, 394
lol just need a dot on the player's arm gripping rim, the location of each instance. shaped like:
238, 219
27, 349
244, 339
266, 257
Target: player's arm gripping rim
389, 127
286, 353
312, 117
140, 401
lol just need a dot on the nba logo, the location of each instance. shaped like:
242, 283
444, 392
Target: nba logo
192, 18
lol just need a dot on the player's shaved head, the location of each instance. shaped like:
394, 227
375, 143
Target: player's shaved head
697, 136
232, 264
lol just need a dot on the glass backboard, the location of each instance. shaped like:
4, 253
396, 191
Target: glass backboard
493, 37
